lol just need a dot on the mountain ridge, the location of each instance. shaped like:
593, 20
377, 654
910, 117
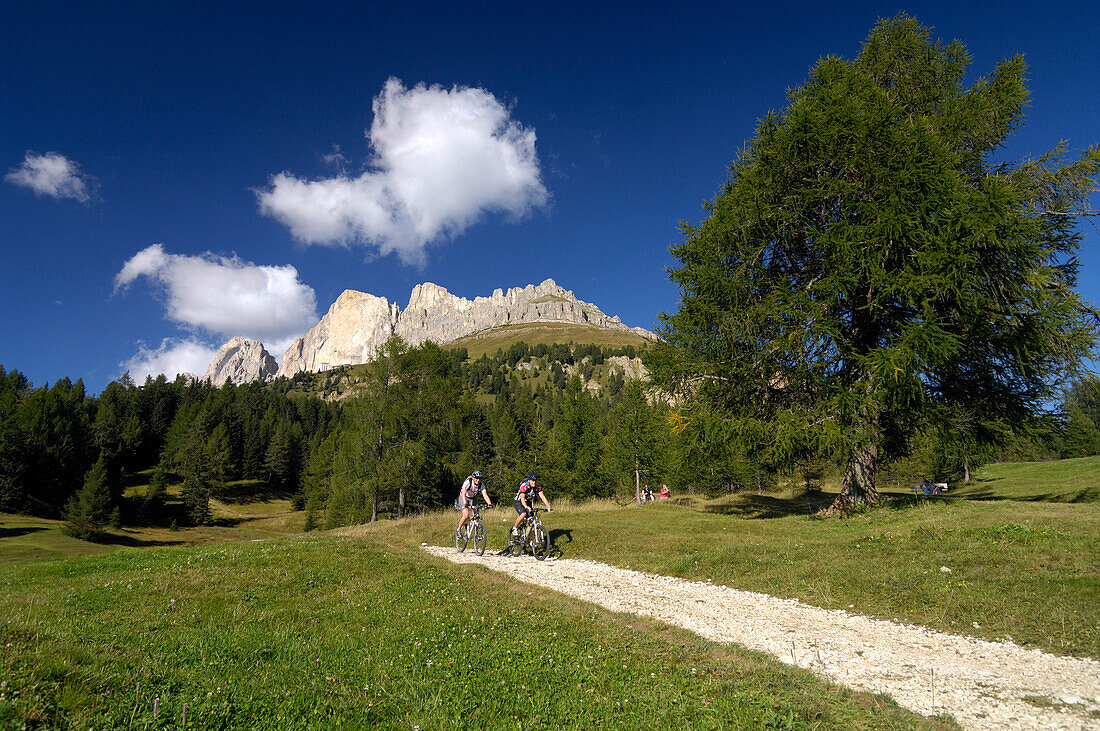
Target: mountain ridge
358, 323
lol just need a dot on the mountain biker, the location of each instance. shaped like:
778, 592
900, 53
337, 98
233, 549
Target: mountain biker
467, 496
524, 498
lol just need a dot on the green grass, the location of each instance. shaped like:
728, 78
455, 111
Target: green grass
326, 632
244, 510
322, 630
1067, 480
1029, 571
24, 537
545, 333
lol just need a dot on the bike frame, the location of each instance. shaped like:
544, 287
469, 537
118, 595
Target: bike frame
527, 530
474, 525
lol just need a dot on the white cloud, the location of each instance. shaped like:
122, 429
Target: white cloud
442, 158
227, 296
54, 175
171, 358
335, 158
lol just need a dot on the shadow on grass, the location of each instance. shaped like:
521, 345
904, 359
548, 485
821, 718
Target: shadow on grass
21, 531
767, 506
129, 541
559, 534
255, 491
1088, 495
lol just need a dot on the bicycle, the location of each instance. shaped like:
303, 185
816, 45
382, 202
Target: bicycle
533, 535
474, 529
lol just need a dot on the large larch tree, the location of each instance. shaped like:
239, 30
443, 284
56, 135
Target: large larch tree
873, 265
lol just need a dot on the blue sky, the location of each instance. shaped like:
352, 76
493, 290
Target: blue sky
241, 142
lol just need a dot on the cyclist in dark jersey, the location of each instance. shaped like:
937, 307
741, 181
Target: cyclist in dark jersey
525, 495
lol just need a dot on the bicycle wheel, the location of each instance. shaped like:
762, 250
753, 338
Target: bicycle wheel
479, 538
540, 542
461, 536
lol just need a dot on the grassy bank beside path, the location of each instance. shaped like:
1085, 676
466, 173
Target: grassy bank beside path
1063, 481
1004, 569
323, 632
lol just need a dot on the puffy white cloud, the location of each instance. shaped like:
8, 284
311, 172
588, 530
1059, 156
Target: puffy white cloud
172, 358
228, 296
442, 158
54, 175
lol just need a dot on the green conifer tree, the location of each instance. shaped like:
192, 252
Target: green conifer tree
90, 509
870, 267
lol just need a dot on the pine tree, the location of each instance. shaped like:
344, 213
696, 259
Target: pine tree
90, 509
869, 268
634, 440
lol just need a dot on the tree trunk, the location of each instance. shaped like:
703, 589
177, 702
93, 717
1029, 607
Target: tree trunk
966, 470
401, 501
858, 484
374, 497
637, 483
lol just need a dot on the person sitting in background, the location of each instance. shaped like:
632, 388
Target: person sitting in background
664, 492
647, 494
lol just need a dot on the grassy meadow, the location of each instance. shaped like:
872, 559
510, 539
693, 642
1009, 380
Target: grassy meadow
326, 631
544, 333
253, 624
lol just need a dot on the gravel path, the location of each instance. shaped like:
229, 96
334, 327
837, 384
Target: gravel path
981, 684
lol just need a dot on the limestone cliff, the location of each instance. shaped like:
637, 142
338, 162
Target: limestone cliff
241, 361
354, 327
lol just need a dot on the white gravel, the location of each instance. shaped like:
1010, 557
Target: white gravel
981, 684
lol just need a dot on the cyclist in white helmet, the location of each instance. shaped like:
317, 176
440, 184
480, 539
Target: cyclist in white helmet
467, 496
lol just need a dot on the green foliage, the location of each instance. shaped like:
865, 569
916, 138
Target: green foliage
91, 508
397, 439
634, 440
868, 270
152, 507
45, 443
1080, 436
710, 457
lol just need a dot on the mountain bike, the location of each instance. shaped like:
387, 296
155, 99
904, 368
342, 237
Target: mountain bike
474, 529
533, 535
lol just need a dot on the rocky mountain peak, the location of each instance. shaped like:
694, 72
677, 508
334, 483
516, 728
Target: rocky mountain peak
430, 295
241, 361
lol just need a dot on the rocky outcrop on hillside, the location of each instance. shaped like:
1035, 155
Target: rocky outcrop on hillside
357, 324
629, 368
241, 361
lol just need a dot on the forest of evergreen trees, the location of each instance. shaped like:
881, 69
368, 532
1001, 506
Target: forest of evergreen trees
421, 420
66, 454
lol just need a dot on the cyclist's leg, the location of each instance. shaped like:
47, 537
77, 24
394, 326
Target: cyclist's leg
465, 517
522, 514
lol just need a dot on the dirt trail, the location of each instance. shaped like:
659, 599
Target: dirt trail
982, 684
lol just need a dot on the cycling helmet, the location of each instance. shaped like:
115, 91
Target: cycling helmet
477, 474
532, 476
